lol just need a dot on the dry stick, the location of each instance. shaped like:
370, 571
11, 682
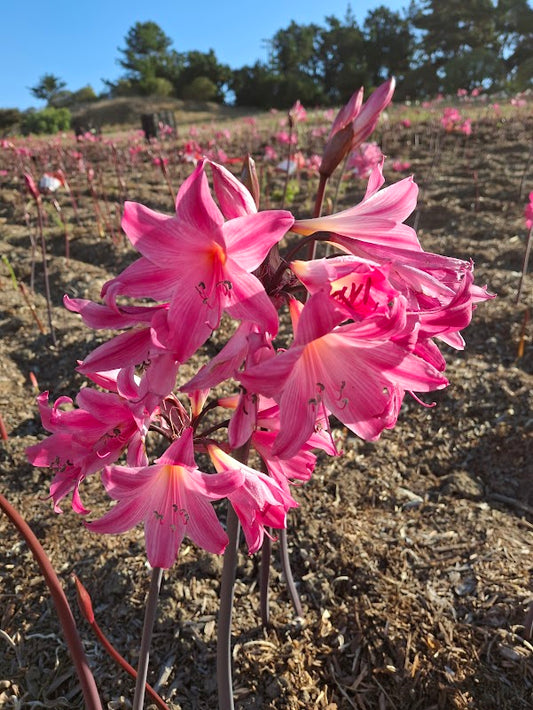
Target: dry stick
32, 308
522, 340
289, 156
524, 174
144, 654
59, 211
90, 691
45, 273
167, 178
20, 287
33, 250
86, 608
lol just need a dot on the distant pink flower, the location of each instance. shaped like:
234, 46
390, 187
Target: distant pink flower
285, 139
364, 159
298, 113
313, 162
172, 498
466, 127
450, 118
406, 123
401, 166
461, 93
192, 152
270, 153
528, 212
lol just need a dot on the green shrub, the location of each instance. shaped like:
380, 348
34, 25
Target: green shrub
155, 86
49, 120
200, 89
9, 117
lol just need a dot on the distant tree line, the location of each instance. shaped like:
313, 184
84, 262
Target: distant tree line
433, 46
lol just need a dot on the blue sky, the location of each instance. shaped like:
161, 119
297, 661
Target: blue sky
78, 41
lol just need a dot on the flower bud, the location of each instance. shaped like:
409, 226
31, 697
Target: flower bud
353, 124
249, 178
32, 187
84, 601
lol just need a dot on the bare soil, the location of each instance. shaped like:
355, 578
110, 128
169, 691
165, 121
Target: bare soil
412, 555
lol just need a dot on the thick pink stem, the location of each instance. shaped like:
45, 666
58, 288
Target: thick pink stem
90, 691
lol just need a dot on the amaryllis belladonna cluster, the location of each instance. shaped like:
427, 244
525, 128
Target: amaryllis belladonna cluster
363, 332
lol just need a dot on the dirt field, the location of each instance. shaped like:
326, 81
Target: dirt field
412, 555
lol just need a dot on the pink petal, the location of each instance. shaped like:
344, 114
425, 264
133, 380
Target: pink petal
249, 239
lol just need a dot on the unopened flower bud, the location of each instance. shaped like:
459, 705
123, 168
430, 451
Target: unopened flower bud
84, 601
32, 187
249, 178
353, 124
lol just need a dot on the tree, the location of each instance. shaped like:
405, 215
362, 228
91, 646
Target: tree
389, 45
146, 51
450, 29
253, 85
514, 25
293, 60
202, 65
341, 58
49, 86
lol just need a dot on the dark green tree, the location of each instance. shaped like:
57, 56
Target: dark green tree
342, 59
514, 25
49, 86
146, 51
450, 29
253, 85
293, 61
389, 45
202, 66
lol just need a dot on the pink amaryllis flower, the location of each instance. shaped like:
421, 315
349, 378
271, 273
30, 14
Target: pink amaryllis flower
172, 497
200, 263
373, 230
259, 501
86, 439
352, 370
377, 219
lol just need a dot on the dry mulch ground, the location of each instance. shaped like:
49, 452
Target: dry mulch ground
412, 555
